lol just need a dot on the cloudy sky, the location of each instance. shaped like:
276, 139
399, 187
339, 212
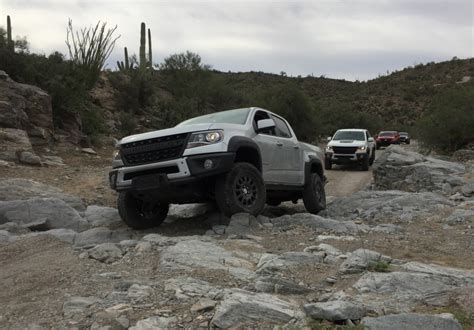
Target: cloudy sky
350, 39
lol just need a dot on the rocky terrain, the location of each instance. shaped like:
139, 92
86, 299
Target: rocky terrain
395, 254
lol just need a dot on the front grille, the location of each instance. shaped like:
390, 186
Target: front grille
162, 170
344, 150
154, 150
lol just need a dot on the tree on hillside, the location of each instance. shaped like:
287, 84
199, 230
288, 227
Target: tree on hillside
184, 61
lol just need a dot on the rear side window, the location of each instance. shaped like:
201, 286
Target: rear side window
281, 128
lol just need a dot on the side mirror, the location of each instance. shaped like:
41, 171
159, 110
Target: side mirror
370, 139
329, 138
265, 124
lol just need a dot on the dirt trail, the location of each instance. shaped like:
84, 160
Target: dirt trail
344, 181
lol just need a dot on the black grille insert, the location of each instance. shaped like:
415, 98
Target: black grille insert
344, 150
154, 150
163, 170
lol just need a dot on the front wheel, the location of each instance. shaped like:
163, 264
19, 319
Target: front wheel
241, 190
372, 157
140, 214
314, 195
327, 164
365, 163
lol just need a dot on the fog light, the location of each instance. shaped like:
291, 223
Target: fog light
208, 164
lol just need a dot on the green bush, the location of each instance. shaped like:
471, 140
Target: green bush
449, 122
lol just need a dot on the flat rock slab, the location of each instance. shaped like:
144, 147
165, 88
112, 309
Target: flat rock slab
410, 321
101, 216
317, 223
42, 214
337, 310
360, 260
100, 235
195, 253
106, 253
187, 287
271, 263
20, 189
155, 322
243, 308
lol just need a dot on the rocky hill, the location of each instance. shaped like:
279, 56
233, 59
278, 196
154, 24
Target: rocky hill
400, 97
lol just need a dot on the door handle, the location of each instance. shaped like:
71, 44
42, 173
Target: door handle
279, 144
296, 147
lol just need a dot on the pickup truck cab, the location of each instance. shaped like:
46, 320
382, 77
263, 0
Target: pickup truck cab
350, 146
241, 159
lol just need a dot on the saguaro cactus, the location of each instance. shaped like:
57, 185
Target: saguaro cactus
142, 46
127, 64
10, 43
150, 59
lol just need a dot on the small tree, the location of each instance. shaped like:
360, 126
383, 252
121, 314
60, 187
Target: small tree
90, 47
184, 61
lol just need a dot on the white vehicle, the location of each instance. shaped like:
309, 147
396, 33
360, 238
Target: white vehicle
241, 159
350, 146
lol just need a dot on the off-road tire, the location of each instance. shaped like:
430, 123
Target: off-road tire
138, 215
314, 195
372, 157
327, 164
242, 189
365, 164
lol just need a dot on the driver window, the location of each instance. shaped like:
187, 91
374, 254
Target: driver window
259, 115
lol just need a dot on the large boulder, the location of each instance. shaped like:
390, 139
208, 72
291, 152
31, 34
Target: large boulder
27, 108
42, 214
401, 169
20, 189
12, 143
317, 223
382, 205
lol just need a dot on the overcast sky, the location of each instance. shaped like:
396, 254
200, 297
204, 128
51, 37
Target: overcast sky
350, 39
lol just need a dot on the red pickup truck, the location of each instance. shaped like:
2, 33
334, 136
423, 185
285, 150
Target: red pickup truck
386, 138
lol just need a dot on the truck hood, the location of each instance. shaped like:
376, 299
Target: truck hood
346, 143
166, 132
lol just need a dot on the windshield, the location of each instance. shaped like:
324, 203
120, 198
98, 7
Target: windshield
387, 133
349, 135
237, 116
404, 133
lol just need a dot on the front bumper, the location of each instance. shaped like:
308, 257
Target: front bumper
172, 172
346, 158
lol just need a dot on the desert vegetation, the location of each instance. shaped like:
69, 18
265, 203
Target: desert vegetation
433, 101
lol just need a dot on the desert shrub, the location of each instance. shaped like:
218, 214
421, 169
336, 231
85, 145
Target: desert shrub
449, 122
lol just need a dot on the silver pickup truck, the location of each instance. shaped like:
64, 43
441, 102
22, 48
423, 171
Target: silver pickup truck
241, 159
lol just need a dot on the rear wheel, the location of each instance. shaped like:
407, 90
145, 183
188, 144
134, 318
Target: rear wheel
314, 195
140, 214
241, 190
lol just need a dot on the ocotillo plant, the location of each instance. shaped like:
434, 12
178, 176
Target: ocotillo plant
10, 43
142, 47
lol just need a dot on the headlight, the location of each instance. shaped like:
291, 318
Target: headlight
328, 148
205, 138
361, 148
116, 154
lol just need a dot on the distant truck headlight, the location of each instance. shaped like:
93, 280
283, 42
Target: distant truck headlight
116, 154
199, 139
363, 148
